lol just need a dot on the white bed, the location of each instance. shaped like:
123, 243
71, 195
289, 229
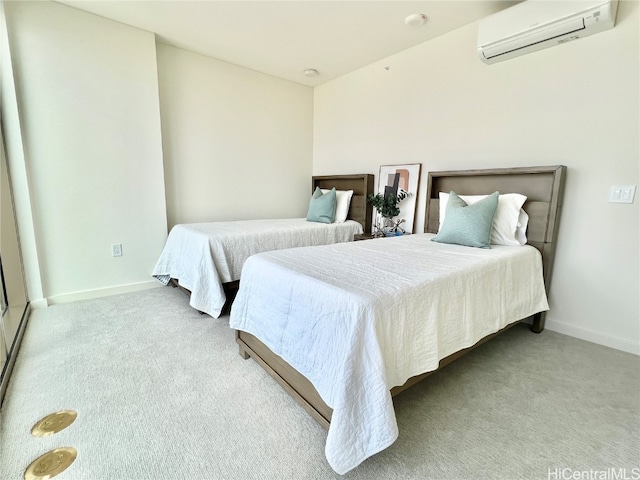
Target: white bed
365, 317
204, 256
343, 328
206, 259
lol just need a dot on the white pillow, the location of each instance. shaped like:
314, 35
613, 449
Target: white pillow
343, 201
510, 222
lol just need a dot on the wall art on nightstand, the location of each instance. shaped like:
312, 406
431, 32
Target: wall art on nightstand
401, 180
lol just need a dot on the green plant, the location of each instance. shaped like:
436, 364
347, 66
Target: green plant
387, 205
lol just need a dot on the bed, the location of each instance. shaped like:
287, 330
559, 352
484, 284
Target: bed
345, 327
206, 259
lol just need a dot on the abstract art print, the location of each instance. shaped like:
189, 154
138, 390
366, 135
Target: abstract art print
398, 179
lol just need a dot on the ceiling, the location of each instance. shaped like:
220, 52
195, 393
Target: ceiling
283, 38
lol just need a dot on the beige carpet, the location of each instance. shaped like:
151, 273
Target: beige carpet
161, 393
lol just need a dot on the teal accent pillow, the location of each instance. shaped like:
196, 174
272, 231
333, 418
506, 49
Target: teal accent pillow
322, 207
468, 225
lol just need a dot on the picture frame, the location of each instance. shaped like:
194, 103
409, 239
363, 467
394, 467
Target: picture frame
406, 177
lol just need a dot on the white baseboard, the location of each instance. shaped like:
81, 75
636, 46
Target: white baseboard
595, 337
102, 292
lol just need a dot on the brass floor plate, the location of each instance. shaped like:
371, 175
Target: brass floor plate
51, 464
54, 423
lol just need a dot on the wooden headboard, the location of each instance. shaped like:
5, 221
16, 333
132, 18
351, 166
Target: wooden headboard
543, 187
361, 184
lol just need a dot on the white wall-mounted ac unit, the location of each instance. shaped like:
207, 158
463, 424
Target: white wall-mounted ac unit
537, 24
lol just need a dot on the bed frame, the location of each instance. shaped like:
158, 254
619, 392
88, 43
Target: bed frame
544, 188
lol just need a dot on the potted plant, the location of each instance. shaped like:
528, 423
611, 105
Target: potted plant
387, 207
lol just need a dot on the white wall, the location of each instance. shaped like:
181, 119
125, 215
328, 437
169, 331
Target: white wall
575, 104
237, 143
94, 106
88, 100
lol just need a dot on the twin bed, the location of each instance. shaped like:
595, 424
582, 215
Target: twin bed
206, 259
345, 327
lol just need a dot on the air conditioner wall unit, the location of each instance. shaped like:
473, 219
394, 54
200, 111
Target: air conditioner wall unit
537, 24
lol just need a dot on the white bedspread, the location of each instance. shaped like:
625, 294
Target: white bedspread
203, 256
358, 319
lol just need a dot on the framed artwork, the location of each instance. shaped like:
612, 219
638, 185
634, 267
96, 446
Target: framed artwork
397, 179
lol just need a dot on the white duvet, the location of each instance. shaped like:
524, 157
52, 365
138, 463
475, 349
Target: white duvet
358, 319
203, 256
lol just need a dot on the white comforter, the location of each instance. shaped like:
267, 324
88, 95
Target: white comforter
358, 319
203, 256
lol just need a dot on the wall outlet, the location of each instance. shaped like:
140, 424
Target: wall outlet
116, 250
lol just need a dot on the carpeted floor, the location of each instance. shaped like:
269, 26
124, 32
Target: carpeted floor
161, 393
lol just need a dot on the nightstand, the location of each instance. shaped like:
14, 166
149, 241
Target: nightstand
369, 236
362, 236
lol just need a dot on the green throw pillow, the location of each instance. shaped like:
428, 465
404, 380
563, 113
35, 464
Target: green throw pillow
468, 225
322, 207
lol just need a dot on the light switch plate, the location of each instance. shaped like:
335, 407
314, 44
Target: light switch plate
622, 193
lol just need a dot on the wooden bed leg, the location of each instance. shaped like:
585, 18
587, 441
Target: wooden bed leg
538, 322
241, 349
